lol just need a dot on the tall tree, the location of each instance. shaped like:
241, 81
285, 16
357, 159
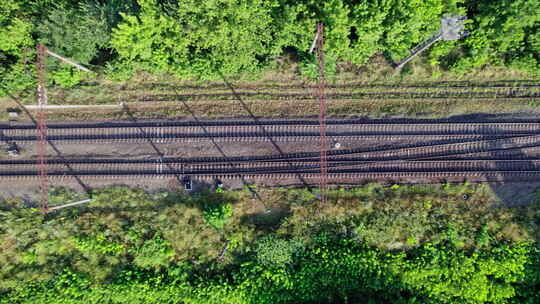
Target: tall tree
16, 33
503, 33
198, 39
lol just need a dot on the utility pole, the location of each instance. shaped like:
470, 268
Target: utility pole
42, 128
323, 181
451, 29
42, 101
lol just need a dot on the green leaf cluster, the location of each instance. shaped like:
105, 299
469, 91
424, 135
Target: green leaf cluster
197, 39
217, 215
232, 38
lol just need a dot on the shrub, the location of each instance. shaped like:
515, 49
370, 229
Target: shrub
154, 253
277, 252
192, 39
217, 215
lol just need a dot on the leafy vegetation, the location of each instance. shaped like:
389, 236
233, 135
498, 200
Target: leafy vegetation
230, 37
503, 33
217, 215
371, 244
194, 39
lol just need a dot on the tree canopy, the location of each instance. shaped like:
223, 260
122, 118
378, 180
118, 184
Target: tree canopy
211, 39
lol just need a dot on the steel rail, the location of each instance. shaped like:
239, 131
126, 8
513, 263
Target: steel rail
163, 132
312, 178
439, 150
393, 122
435, 149
477, 166
346, 165
276, 137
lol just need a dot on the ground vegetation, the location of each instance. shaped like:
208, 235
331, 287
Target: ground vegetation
371, 244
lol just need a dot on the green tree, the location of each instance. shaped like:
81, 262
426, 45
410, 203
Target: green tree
75, 32
197, 39
449, 276
16, 33
502, 33
408, 23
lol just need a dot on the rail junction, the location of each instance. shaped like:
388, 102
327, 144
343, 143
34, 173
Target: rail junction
407, 150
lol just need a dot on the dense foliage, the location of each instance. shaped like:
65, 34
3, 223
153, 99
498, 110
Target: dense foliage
209, 39
373, 244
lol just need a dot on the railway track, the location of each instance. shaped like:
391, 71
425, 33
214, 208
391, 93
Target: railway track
363, 164
434, 149
279, 130
442, 148
357, 171
349, 85
353, 90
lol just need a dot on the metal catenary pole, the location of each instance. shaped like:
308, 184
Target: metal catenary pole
42, 128
322, 115
42, 103
452, 28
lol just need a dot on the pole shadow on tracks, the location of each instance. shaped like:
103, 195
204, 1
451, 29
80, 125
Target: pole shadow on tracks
253, 192
263, 130
511, 156
54, 147
160, 154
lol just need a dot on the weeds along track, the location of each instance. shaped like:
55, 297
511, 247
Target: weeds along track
347, 85
510, 93
352, 90
284, 99
266, 130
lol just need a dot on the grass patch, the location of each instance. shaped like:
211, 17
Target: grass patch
152, 87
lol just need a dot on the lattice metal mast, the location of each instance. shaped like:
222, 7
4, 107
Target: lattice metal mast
42, 102
322, 115
42, 128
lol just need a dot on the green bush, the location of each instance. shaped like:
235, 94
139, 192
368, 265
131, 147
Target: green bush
63, 195
16, 32
128, 245
309, 67
154, 253
276, 252
98, 244
217, 215
75, 33
209, 40
502, 33
234, 38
